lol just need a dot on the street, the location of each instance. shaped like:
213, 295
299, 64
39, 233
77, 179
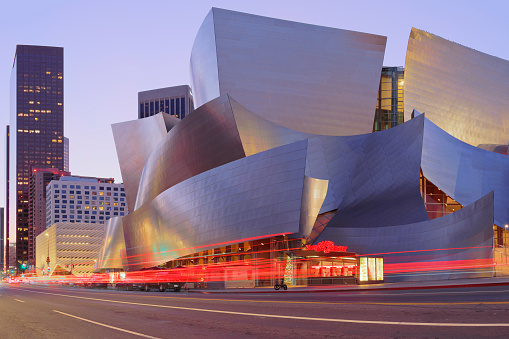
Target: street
34, 311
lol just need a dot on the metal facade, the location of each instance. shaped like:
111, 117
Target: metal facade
462, 90
135, 140
251, 197
308, 78
464, 172
277, 140
463, 235
206, 139
110, 254
373, 178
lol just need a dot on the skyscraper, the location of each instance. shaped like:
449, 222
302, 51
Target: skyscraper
36, 126
2, 239
176, 101
39, 179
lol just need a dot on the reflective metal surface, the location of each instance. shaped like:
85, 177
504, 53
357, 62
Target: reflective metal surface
462, 90
373, 178
206, 139
314, 193
464, 172
308, 78
113, 245
135, 140
463, 235
253, 196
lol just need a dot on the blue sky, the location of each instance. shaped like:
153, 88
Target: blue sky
114, 49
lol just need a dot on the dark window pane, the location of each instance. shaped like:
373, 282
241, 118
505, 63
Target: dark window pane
182, 108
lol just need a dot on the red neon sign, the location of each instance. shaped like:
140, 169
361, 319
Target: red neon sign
326, 247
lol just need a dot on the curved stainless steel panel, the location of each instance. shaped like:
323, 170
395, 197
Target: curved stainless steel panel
264, 63
135, 140
206, 139
373, 178
253, 196
463, 235
203, 64
464, 172
314, 194
258, 135
113, 245
462, 90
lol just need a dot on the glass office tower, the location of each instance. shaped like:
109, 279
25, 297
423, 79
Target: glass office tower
36, 128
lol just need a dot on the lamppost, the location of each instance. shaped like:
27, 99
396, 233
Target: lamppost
47, 259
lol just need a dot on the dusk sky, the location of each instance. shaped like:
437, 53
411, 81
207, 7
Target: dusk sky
114, 49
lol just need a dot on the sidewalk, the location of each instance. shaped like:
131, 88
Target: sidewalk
453, 283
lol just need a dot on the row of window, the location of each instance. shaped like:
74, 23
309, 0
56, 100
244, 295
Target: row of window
87, 192
173, 106
79, 202
101, 188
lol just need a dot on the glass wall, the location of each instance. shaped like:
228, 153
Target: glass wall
389, 108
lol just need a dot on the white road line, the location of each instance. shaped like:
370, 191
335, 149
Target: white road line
113, 327
21, 301
286, 316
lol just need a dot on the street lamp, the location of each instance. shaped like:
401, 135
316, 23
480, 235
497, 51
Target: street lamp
47, 259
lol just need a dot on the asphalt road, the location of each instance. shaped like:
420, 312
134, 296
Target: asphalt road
28, 311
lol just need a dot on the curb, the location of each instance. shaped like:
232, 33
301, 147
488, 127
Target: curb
402, 288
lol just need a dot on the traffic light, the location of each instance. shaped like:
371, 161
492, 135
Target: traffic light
23, 266
49, 269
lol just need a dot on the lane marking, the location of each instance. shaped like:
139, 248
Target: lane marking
21, 301
286, 316
113, 327
316, 302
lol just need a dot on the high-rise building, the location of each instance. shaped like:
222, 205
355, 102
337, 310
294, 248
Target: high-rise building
7, 180
84, 200
2, 250
389, 106
176, 101
36, 125
66, 154
39, 179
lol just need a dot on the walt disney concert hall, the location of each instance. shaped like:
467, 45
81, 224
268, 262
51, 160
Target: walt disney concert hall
280, 173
